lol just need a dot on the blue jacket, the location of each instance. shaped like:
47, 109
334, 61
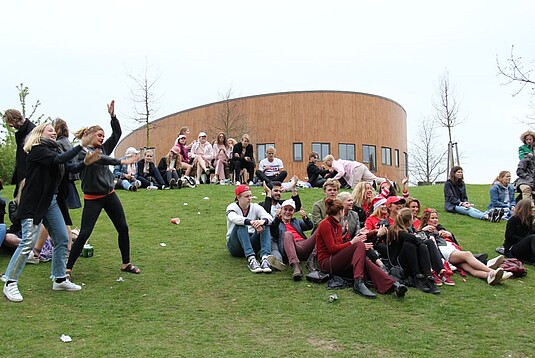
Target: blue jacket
497, 196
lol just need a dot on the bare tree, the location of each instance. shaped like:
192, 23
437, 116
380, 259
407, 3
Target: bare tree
514, 72
447, 114
427, 155
230, 119
144, 98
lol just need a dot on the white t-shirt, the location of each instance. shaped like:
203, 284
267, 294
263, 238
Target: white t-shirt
270, 168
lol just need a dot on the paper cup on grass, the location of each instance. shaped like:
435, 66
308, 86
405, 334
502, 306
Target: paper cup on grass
175, 220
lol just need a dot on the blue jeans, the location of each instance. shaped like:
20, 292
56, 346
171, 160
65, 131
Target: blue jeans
57, 230
3, 231
241, 243
472, 212
125, 184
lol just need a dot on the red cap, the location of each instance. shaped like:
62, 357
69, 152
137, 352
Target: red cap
395, 200
240, 189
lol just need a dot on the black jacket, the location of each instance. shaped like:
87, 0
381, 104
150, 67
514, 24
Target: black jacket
43, 172
20, 164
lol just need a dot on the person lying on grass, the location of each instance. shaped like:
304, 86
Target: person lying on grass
453, 253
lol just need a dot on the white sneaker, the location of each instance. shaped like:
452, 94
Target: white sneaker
494, 263
507, 275
66, 286
3, 278
238, 183
495, 276
152, 187
12, 292
32, 259
264, 265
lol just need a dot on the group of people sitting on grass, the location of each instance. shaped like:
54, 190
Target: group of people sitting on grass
375, 240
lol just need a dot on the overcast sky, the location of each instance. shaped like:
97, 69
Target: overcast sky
75, 57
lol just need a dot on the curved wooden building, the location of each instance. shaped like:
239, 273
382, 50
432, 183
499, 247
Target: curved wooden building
349, 125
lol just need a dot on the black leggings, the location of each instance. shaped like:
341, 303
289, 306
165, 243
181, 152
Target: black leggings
415, 259
525, 249
92, 208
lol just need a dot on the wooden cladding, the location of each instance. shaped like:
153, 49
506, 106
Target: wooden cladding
296, 117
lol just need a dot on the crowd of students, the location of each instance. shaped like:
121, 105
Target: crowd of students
369, 237
375, 240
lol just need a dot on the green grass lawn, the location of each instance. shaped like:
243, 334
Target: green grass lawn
193, 299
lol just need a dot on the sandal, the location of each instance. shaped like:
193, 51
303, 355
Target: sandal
131, 268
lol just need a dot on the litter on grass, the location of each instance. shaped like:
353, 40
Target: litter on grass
175, 220
65, 338
185, 204
120, 279
206, 198
163, 244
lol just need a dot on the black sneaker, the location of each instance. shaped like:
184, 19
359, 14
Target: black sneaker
172, 183
420, 282
432, 287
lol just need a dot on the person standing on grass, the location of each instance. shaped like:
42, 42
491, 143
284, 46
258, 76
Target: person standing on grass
15, 119
247, 230
43, 199
98, 187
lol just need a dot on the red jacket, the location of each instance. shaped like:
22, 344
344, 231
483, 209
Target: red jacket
329, 238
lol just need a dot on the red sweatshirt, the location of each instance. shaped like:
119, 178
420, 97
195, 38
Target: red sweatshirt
329, 238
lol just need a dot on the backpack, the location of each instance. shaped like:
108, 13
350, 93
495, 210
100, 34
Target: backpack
515, 266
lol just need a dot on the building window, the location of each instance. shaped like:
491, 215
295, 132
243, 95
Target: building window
396, 157
298, 152
346, 151
323, 149
406, 156
261, 150
386, 156
369, 156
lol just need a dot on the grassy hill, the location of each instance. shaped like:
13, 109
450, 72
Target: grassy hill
193, 299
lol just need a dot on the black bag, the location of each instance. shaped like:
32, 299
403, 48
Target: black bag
396, 271
317, 276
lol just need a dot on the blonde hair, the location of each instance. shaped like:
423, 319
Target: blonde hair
500, 176
87, 130
343, 196
331, 182
328, 157
359, 193
34, 138
247, 137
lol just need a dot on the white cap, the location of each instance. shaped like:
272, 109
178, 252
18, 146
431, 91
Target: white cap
202, 134
131, 151
288, 202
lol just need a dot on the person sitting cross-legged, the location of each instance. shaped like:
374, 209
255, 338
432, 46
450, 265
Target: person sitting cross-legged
270, 168
247, 230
